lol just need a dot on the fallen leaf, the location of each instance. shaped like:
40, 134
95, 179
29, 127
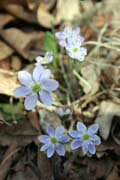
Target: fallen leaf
114, 174
99, 167
5, 19
107, 78
21, 12
91, 78
71, 7
112, 8
26, 174
16, 63
5, 64
21, 41
45, 167
48, 118
21, 134
5, 51
34, 120
7, 2
105, 116
45, 18
8, 81
7, 161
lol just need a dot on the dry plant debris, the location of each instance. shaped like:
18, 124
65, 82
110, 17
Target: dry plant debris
91, 90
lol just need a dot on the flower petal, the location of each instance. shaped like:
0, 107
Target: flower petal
44, 138
60, 149
83, 51
59, 35
76, 31
81, 127
50, 151
85, 148
30, 102
93, 128
59, 131
49, 84
51, 131
46, 98
21, 91
25, 77
39, 58
63, 43
73, 133
96, 139
45, 146
76, 144
37, 72
64, 139
91, 148
45, 74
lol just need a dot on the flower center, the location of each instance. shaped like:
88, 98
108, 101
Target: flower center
54, 140
75, 49
86, 137
36, 88
44, 60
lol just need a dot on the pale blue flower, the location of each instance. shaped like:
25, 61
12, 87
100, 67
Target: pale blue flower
62, 112
74, 48
47, 59
66, 34
85, 138
54, 141
36, 87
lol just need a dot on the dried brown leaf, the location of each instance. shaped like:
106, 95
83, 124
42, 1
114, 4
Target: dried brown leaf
106, 113
45, 167
21, 134
67, 10
71, 7
21, 41
5, 19
21, 12
113, 174
5, 51
90, 82
16, 63
8, 81
7, 161
45, 18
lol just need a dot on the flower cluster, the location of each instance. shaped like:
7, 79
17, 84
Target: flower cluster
72, 41
36, 86
83, 137
54, 141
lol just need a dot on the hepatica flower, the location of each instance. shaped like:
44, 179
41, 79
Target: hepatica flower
36, 87
54, 141
67, 33
85, 138
70, 39
47, 59
74, 49
61, 112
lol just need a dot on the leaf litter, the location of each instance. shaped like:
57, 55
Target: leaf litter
27, 30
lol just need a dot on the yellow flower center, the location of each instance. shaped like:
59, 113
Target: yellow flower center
86, 137
75, 49
36, 88
54, 140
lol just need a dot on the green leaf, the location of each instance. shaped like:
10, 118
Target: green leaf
50, 43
